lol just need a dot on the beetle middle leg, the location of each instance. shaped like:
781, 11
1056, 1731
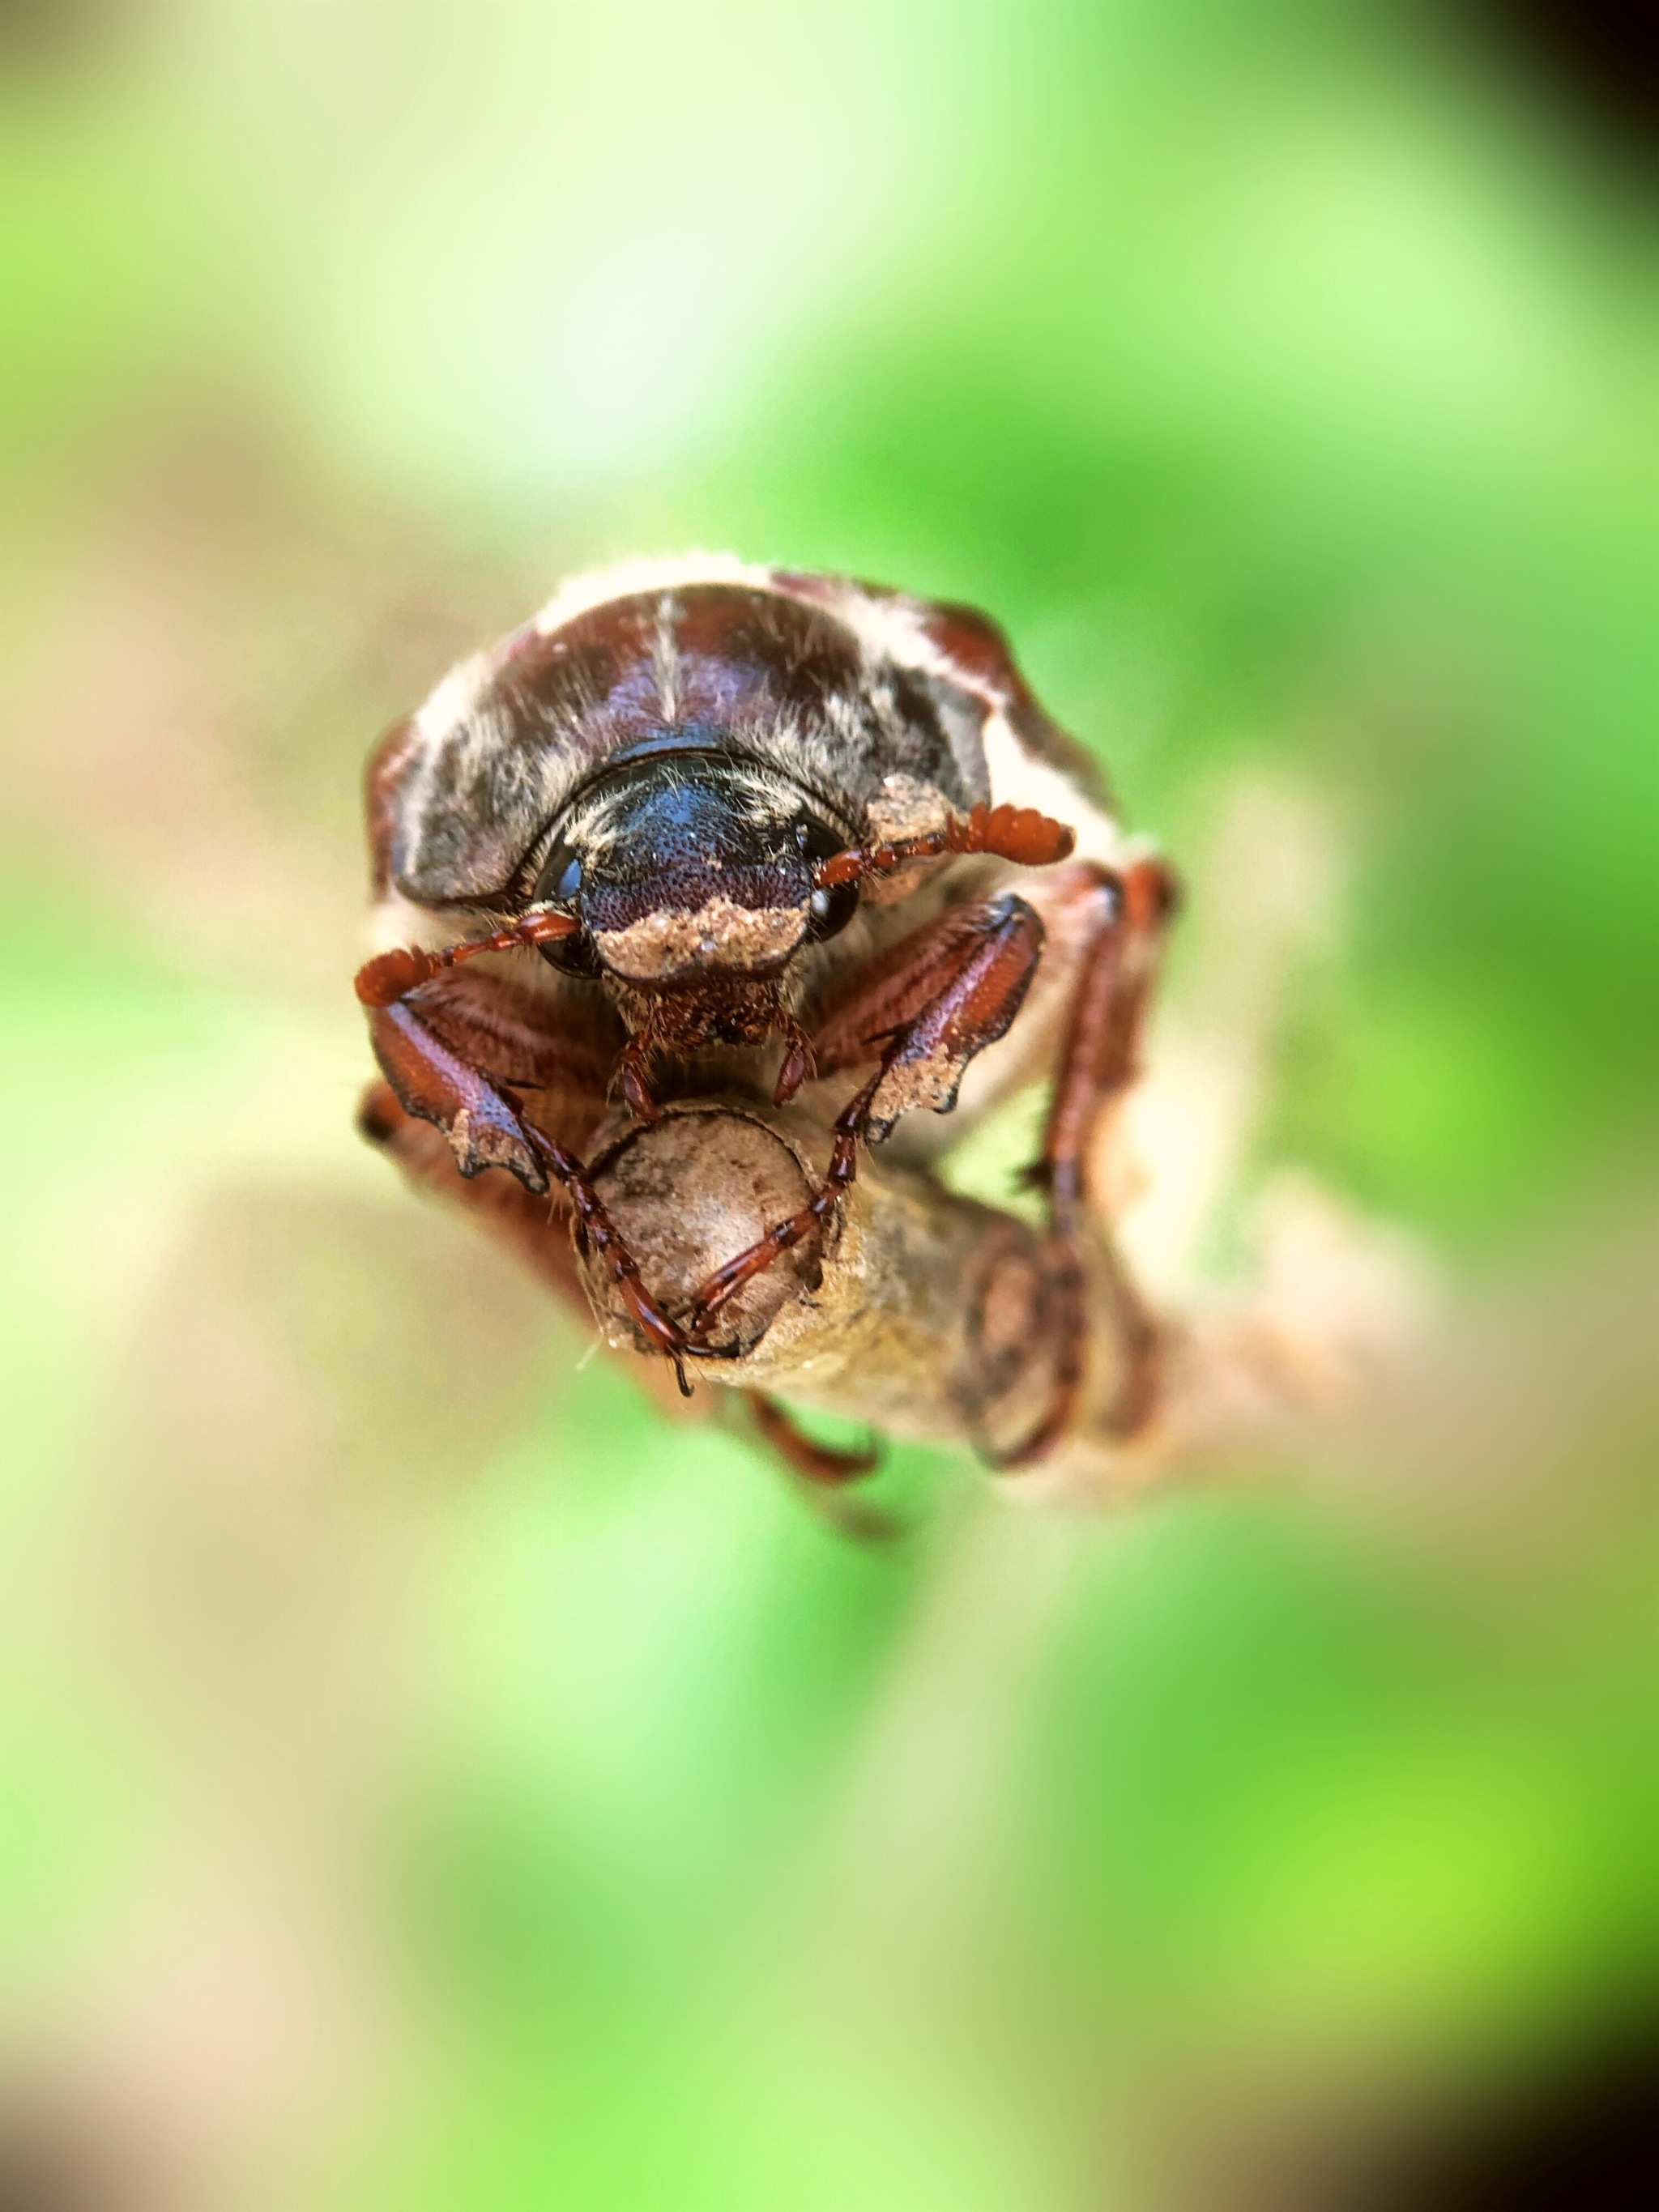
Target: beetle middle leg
805, 1455
1098, 1061
921, 1013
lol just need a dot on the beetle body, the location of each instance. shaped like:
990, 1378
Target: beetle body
707, 826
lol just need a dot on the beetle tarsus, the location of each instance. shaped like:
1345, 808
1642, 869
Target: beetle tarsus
437, 1085
727, 1281
949, 990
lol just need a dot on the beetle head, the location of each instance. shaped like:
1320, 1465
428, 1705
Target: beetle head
688, 866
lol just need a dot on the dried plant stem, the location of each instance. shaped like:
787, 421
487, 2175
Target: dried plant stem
922, 1313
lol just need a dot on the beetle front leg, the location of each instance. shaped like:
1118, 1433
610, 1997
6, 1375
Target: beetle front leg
842, 1171
487, 1128
922, 1013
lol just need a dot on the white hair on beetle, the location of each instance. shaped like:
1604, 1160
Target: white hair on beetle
454, 696
626, 579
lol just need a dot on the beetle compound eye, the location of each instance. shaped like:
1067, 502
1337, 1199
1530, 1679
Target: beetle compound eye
560, 885
831, 911
816, 840
561, 880
571, 956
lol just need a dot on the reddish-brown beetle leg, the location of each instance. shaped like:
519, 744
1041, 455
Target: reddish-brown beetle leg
1019, 834
818, 1462
393, 975
842, 1169
486, 1128
950, 989
1097, 1062
600, 1234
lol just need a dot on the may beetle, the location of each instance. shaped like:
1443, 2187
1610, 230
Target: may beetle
699, 825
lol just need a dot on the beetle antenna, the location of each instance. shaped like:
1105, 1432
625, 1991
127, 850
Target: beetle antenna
393, 975
1019, 834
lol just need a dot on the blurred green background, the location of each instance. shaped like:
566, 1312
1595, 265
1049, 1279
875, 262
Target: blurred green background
427, 1778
